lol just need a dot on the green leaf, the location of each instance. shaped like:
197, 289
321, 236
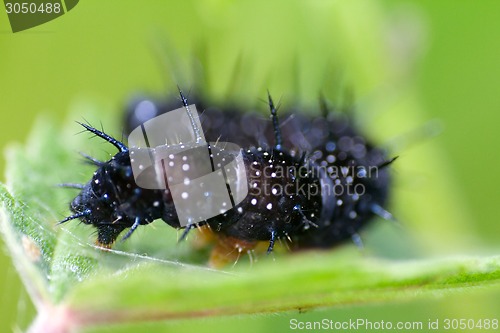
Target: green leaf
153, 278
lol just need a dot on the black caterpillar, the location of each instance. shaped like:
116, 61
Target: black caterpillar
339, 181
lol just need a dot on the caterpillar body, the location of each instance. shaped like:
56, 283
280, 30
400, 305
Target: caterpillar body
314, 182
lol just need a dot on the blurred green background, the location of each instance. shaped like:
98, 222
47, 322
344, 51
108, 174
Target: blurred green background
408, 62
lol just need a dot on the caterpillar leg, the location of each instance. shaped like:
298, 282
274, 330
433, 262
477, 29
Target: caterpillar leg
107, 234
228, 250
